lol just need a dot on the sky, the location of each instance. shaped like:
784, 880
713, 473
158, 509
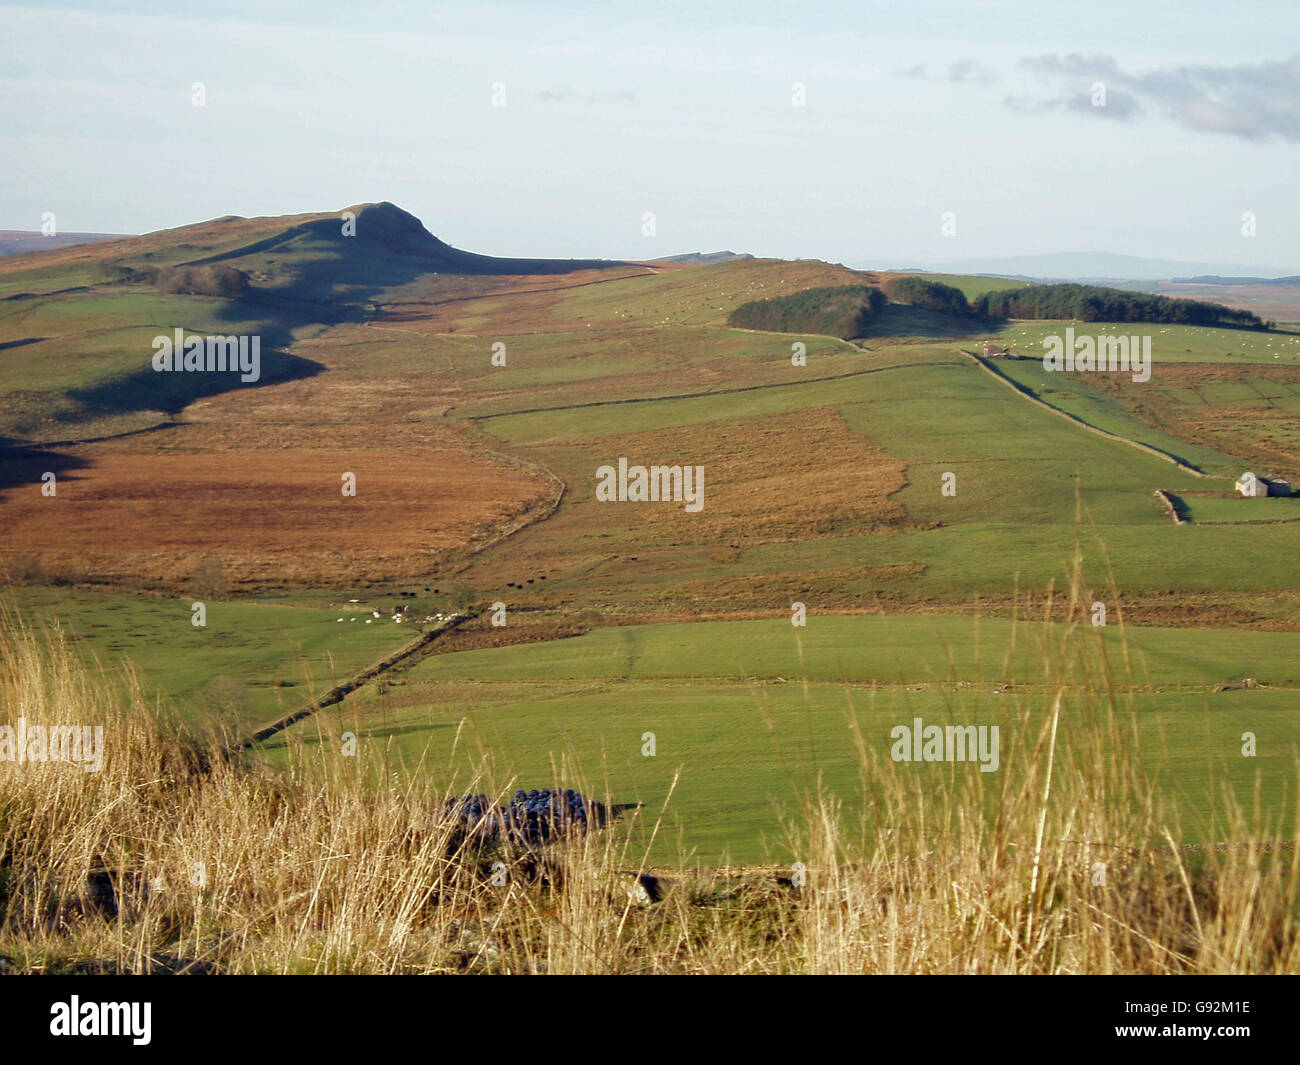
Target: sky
850, 132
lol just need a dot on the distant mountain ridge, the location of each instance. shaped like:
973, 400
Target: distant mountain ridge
703, 258
1216, 279
1099, 266
18, 241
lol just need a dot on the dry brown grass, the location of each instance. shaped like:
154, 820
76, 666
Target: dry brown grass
325, 869
789, 476
1265, 438
131, 515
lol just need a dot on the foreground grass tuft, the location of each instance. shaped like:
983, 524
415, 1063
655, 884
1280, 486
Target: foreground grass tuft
176, 858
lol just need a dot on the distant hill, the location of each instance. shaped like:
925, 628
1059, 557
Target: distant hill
1215, 279
17, 241
703, 258
349, 256
1098, 266
277, 279
385, 231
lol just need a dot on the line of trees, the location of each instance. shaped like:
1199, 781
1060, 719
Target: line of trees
930, 295
848, 311
845, 311
1090, 303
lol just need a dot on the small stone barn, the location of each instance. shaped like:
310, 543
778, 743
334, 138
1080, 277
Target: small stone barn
1249, 485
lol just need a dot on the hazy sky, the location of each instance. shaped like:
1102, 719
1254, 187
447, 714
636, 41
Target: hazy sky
682, 109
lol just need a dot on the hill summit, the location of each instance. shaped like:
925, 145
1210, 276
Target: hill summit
369, 241
354, 253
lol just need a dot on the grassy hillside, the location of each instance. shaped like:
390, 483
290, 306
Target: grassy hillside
891, 483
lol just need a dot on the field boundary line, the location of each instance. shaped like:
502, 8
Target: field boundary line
1017, 387
1167, 499
528, 519
337, 693
499, 295
34, 444
693, 395
850, 344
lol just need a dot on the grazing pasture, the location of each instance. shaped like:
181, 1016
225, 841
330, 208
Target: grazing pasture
910, 500
750, 716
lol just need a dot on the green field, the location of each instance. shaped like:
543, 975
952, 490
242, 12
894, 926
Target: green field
751, 715
1214, 509
265, 656
827, 487
1169, 343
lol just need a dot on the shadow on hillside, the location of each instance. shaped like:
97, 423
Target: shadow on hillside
321, 267
902, 320
21, 343
1179, 507
317, 276
171, 392
25, 464
149, 389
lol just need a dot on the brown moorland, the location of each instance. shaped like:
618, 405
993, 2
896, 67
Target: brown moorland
273, 517
778, 478
1268, 438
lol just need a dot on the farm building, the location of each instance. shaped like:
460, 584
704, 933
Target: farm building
1248, 485
995, 350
